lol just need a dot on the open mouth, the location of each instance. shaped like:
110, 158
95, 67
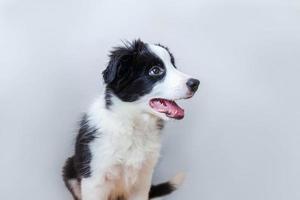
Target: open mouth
169, 107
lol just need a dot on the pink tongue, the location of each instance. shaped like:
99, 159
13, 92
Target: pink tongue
169, 107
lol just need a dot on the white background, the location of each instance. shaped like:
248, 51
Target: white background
241, 134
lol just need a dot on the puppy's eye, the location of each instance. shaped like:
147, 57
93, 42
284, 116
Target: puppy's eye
156, 71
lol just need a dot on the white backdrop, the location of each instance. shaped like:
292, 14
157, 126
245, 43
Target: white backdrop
240, 137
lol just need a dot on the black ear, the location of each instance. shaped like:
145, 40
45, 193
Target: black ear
119, 56
109, 74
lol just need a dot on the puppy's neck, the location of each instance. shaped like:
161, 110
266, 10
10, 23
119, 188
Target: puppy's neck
120, 116
130, 111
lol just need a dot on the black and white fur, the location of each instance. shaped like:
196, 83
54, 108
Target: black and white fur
119, 139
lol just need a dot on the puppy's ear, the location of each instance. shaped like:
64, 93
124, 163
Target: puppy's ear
109, 74
117, 56
121, 57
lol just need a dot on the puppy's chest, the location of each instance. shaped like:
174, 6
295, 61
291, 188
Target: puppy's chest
139, 143
135, 151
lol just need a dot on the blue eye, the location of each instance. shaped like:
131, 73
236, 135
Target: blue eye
156, 71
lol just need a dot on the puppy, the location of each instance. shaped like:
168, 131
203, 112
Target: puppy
119, 138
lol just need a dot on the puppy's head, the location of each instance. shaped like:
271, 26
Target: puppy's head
145, 76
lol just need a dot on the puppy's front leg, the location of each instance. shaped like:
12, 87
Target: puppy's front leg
142, 187
94, 189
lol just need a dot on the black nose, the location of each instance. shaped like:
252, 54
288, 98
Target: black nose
193, 84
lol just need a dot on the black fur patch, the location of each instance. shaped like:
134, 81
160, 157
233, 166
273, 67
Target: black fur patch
108, 95
83, 155
69, 172
161, 190
127, 74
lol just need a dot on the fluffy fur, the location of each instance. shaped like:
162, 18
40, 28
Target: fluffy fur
119, 138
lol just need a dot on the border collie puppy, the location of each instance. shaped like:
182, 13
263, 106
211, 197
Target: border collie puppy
119, 138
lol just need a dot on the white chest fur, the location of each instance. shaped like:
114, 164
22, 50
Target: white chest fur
125, 146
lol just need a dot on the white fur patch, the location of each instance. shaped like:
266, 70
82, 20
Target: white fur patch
174, 84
